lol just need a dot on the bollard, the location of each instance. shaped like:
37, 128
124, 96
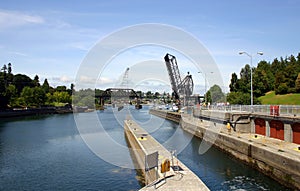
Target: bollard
228, 127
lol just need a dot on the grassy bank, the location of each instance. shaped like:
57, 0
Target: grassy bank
288, 99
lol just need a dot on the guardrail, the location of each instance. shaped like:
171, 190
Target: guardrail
291, 110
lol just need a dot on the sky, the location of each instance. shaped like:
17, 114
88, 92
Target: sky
51, 39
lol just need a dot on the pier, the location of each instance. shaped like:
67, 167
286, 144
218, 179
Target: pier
150, 157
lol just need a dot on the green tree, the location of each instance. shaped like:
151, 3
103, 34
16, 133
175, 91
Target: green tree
61, 88
36, 81
11, 94
216, 94
263, 79
88, 101
280, 85
72, 89
27, 96
3, 98
240, 98
149, 95
9, 70
245, 76
39, 96
207, 97
297, 83
32, 97
233, 83
4, 69
46, 86
277, 66
156, 95
10, 76
49, 99
21, 81
282, 89
62, 97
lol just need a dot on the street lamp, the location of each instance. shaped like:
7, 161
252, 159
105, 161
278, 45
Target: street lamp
205, 84
251, 83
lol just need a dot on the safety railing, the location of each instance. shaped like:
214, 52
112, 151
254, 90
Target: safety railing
290, 110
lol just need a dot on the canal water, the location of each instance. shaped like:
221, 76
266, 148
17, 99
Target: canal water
48, 153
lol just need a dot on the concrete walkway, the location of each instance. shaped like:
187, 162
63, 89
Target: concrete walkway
143, 144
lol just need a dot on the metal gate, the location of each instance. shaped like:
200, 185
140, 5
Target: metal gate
296, 133
260, 126
277, 129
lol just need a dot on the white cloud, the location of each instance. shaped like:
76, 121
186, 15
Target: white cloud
66, 79
10, 19
85, 46
17, 53
61, 80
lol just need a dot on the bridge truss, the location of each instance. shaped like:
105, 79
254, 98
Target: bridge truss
183, 89
119, 97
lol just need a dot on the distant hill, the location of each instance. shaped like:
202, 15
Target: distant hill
288, 99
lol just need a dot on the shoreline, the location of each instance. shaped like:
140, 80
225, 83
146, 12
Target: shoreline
34, 111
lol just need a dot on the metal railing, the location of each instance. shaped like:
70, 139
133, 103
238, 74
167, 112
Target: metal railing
289, 110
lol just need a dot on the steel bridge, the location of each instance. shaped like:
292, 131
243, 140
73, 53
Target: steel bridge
119, 96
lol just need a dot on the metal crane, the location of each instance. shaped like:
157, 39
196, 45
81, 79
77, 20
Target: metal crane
182, 88
124, 82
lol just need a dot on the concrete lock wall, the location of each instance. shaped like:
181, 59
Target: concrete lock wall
239, 121
266, 157
139, 153
269, 161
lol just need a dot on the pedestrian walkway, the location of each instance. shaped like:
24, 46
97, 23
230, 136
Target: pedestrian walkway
179, 177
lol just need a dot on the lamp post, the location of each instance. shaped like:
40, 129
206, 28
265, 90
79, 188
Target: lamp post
251, 83
205, 84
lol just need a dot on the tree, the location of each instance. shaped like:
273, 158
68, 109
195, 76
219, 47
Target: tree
4, 68
9, 70
21, 81
11, 94
297, 83
27, 96
71, 91
36, 81
280, 86
233, 83
240, 98
216, 94
263, 79
61, 88
207, 97
156, 95
84, 97
245, 78
61, 97
46, 86
149, 95
32, 97
282, 89
10, 76
39, 96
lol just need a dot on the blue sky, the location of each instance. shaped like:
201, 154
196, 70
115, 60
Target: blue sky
51, 38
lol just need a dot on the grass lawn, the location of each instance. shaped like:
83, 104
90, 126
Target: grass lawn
288, 99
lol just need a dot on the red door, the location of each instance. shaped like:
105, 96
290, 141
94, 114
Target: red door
296, 133
260, 126
277, 129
